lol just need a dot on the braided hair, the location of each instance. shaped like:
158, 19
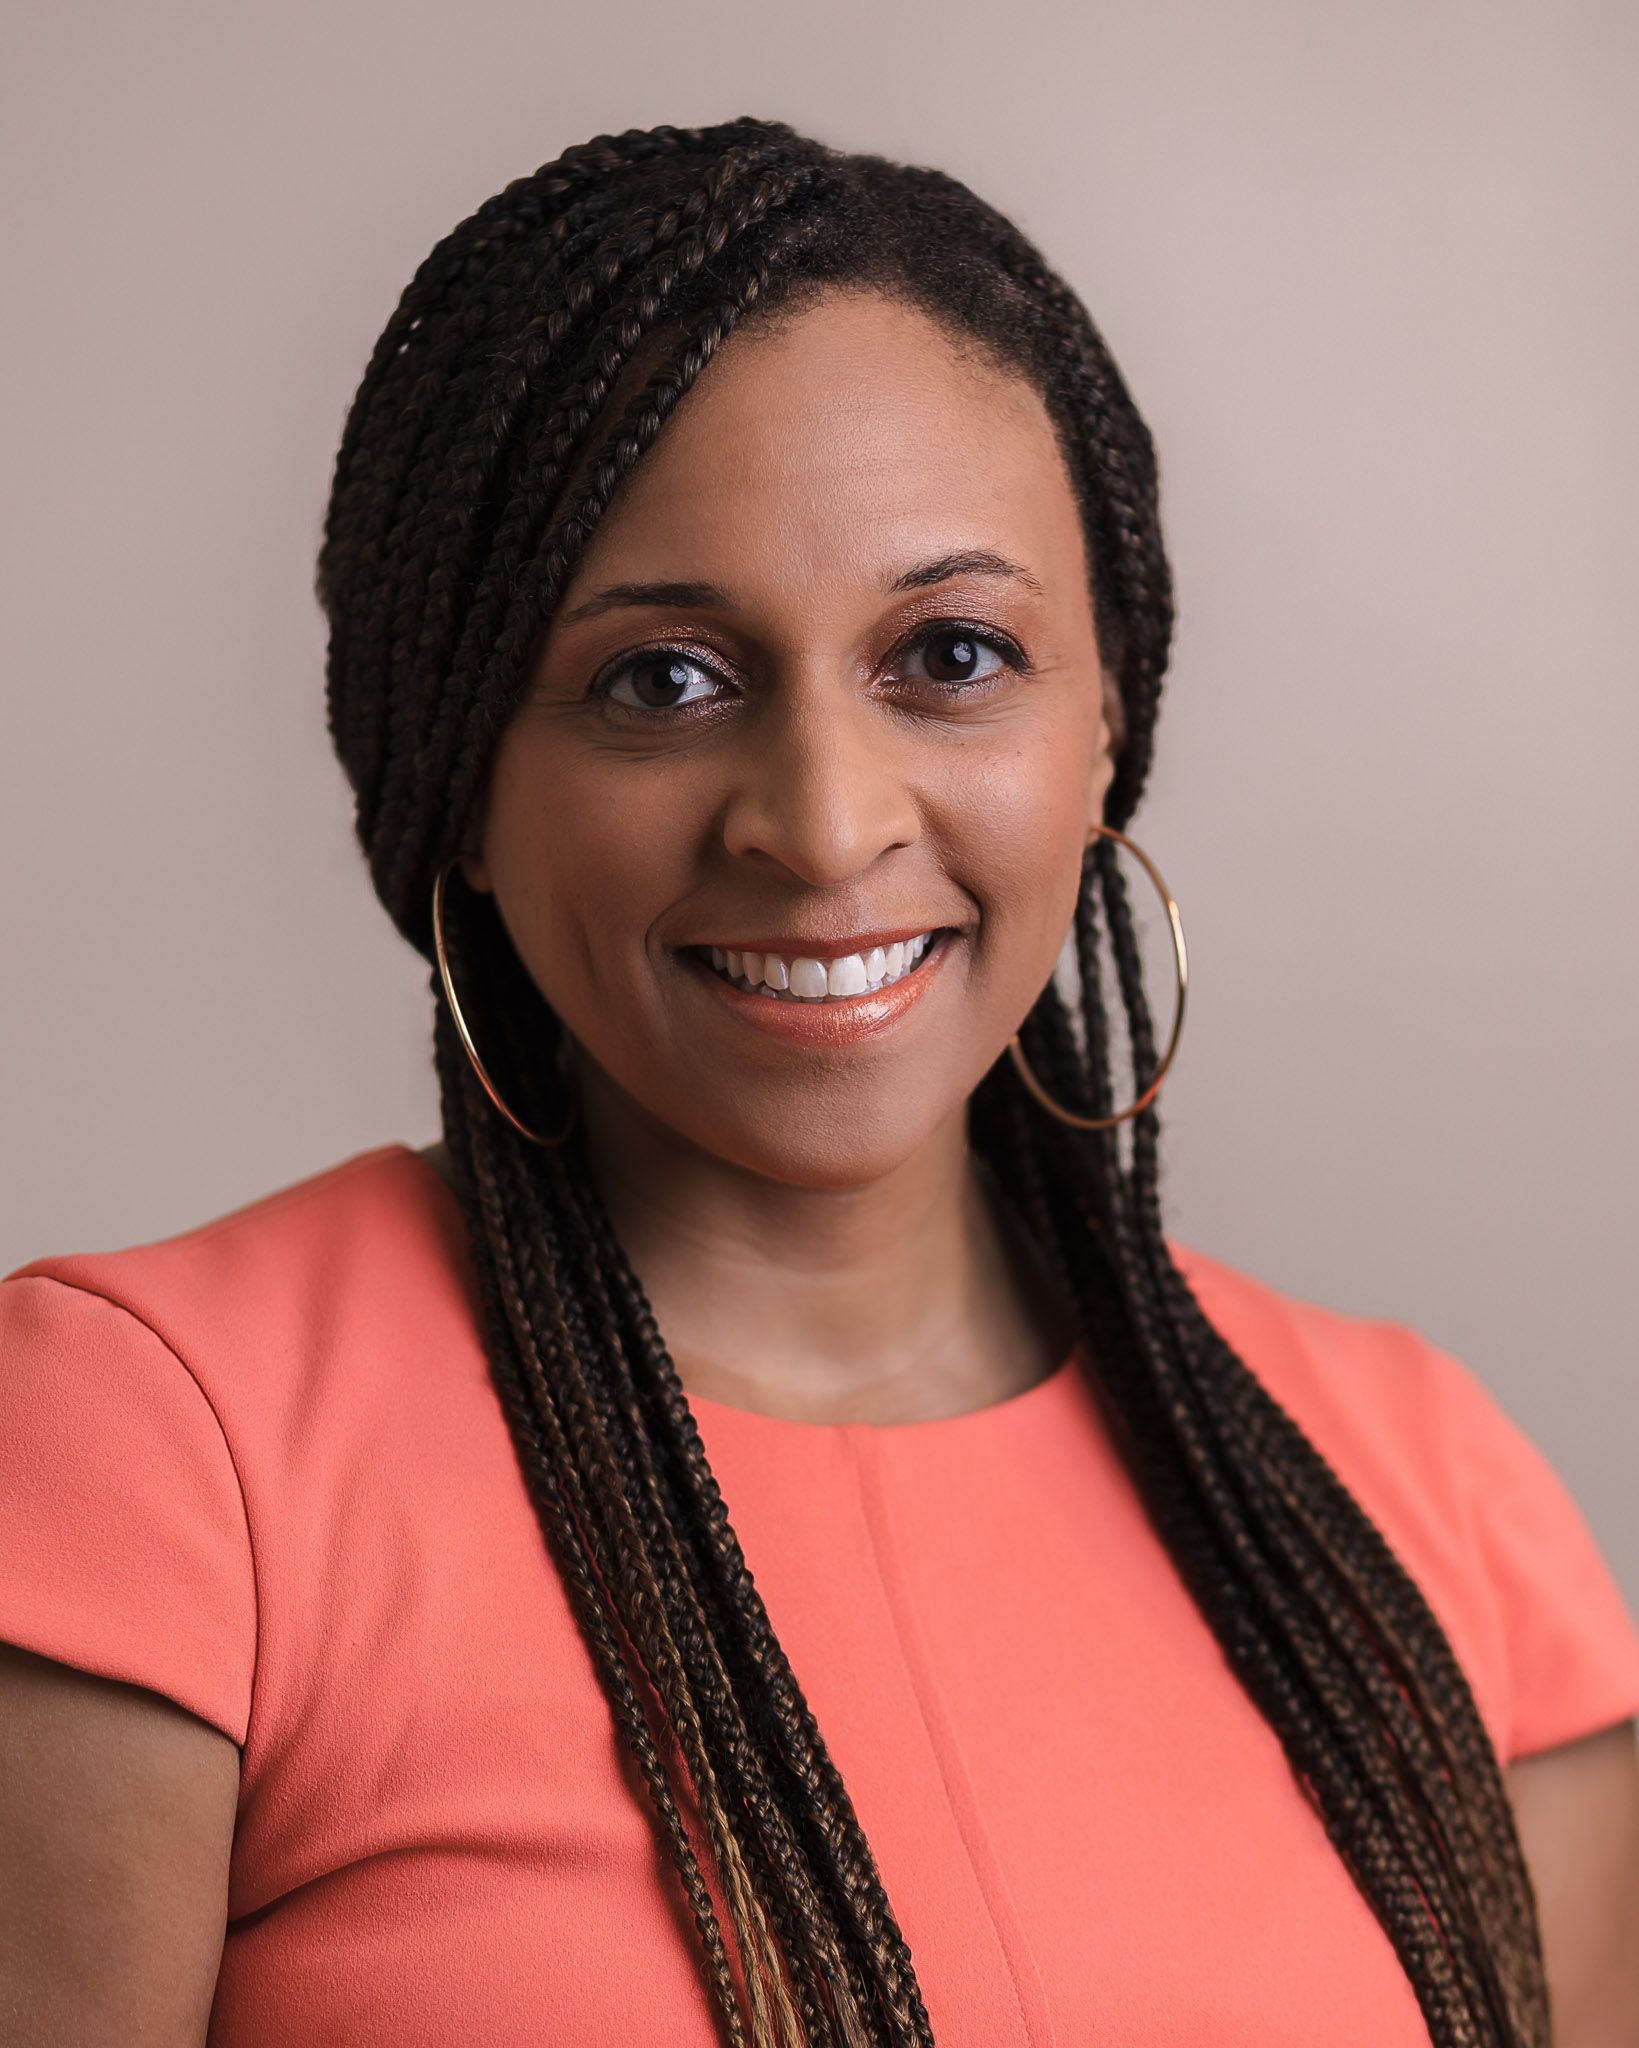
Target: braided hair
531, 361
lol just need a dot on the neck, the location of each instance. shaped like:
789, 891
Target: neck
902, 1299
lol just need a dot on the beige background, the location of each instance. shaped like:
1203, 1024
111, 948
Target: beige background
1370, 270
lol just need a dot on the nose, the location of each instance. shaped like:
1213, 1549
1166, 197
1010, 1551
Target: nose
821, 784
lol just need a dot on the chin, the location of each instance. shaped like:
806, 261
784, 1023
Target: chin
820, 1146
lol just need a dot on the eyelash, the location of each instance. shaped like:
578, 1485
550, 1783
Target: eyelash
999, 643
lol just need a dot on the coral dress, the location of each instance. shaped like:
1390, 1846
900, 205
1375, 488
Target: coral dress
260, 1468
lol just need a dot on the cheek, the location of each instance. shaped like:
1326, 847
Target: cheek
1025, 828
579, 869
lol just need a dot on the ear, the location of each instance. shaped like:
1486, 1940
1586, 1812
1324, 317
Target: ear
1115, 712
1098, 787
474, 868
1111, 728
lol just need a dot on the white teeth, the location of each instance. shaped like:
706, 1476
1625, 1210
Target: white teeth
812, 980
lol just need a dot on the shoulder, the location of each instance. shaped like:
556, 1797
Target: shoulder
176, 1415
364, 1231
1388, 1410
316, 1307
1373, 1393
1471, 1506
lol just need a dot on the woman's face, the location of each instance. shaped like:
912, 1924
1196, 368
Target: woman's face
824, 679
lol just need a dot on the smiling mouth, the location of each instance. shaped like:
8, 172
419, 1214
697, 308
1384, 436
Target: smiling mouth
804, 979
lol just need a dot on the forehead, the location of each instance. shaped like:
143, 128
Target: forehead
843, 435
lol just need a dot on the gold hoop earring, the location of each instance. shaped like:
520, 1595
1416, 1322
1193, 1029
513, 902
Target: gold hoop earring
1103, 1123
451, 998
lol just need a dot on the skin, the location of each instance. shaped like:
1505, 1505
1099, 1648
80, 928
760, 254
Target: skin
1576, 1807
116, 1828
828, 1198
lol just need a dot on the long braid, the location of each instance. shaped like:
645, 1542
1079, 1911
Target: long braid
533, 359
667, 1532
1449, 1755
1310, 1670
603, 1518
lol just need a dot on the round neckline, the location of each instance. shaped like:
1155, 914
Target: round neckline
919, 1429
727, 1415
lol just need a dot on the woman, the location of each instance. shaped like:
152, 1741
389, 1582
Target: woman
759, 1535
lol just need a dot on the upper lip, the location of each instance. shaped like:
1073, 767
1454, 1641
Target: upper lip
790, 948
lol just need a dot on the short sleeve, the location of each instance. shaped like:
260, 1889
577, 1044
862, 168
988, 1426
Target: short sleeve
124, 1547
1569, 1636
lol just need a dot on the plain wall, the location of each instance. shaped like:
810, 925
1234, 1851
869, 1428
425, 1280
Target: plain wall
1371, 274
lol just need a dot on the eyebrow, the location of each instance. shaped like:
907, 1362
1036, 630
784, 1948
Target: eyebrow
713, 597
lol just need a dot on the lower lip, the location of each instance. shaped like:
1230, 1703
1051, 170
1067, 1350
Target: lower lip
836, 1020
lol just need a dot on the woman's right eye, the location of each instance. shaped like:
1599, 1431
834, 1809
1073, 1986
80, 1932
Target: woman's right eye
659, 680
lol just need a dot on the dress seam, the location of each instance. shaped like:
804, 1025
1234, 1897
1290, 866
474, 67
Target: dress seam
884, 1556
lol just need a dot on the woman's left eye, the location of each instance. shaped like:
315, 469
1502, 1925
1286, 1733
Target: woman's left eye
955, 654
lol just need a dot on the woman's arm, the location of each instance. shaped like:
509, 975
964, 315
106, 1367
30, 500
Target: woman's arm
116, 1821
1577, 1810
